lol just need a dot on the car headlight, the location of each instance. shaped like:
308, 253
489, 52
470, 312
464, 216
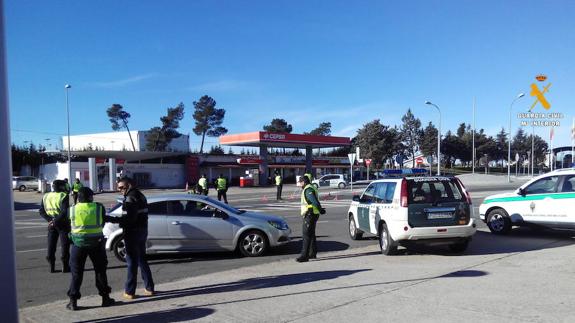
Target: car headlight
278, 225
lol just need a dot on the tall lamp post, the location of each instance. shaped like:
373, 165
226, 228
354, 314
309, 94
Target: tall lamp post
67, 89
519, 96
438, 138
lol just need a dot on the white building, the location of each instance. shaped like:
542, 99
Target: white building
120, 141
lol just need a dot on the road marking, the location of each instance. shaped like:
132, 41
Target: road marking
38, 236
34, 227
32, 250
31, 223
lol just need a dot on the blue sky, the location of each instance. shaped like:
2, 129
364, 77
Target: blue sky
304, 61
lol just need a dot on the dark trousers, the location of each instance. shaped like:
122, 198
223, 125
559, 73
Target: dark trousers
135, 241
53, 234
279, 191
223, 193
309, 247
99, 260
75, 195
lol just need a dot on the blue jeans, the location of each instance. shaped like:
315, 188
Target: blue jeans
135, 241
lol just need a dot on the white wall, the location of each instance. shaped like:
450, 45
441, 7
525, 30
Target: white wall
161, 175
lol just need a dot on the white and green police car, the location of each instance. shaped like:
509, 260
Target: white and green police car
547, 200
400, 211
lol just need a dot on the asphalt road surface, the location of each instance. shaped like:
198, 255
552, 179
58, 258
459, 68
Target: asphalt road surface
37, 286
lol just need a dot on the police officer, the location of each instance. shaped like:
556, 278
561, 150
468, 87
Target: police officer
75, 188
67, 186
54, 209
203, 185
134, 222
310, 210
279, 185
86, 221
222, 188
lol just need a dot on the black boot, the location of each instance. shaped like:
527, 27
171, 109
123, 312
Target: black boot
66, 268
107, 301
72, 305
52, 266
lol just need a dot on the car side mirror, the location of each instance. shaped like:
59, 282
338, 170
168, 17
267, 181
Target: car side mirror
521, 192
220, 214
355, 198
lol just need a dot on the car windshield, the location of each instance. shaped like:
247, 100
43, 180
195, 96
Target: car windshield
434, 190
115, 207
226, 207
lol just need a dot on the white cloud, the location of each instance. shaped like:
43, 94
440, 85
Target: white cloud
124, 82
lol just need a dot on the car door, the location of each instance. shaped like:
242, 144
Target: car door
194, 226
564, 206
538, 202
324, 181
158, 237
363, 208
381, 208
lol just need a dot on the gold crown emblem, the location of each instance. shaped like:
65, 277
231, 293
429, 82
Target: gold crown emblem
540, 77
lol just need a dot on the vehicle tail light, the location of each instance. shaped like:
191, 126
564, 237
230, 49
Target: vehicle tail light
403, 196
467, 196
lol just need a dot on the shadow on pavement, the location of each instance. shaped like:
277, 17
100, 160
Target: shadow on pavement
177, 315
518, 240
19, 206
251, 284
290, 280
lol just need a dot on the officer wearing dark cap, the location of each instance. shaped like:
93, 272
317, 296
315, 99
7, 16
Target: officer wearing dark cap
87, 221
310, 210
54, 209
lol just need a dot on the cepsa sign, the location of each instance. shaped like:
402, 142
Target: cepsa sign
274, 136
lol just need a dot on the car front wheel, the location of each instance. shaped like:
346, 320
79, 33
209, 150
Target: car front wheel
22, 188
498, 221
386, 243
253, 243
354, 232
119, 248
341, 185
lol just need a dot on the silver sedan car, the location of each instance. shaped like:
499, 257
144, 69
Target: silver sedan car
196, 223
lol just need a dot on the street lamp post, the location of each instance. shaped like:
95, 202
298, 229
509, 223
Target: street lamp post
67, 88
520, 95
438, 138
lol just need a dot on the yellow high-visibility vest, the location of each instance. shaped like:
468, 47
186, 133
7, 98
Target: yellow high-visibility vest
86, 220
53, 202
221, 183
304, 205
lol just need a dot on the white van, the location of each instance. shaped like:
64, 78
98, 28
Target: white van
429, 210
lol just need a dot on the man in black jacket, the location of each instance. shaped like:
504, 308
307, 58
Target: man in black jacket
134, 222
54, 209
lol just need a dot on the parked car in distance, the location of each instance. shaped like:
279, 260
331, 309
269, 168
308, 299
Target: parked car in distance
331, 180
402, 211
547, 200
23, 183
197, 223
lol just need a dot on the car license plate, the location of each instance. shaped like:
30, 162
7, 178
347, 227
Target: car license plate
439, 215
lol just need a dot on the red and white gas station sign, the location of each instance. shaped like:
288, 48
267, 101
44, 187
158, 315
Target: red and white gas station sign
249, 160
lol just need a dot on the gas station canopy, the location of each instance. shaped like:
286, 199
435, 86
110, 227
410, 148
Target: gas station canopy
286, 140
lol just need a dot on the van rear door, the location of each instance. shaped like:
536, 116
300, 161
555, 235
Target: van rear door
436, 201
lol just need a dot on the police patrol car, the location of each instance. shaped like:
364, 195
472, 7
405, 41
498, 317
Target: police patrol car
547, 200
430, 210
